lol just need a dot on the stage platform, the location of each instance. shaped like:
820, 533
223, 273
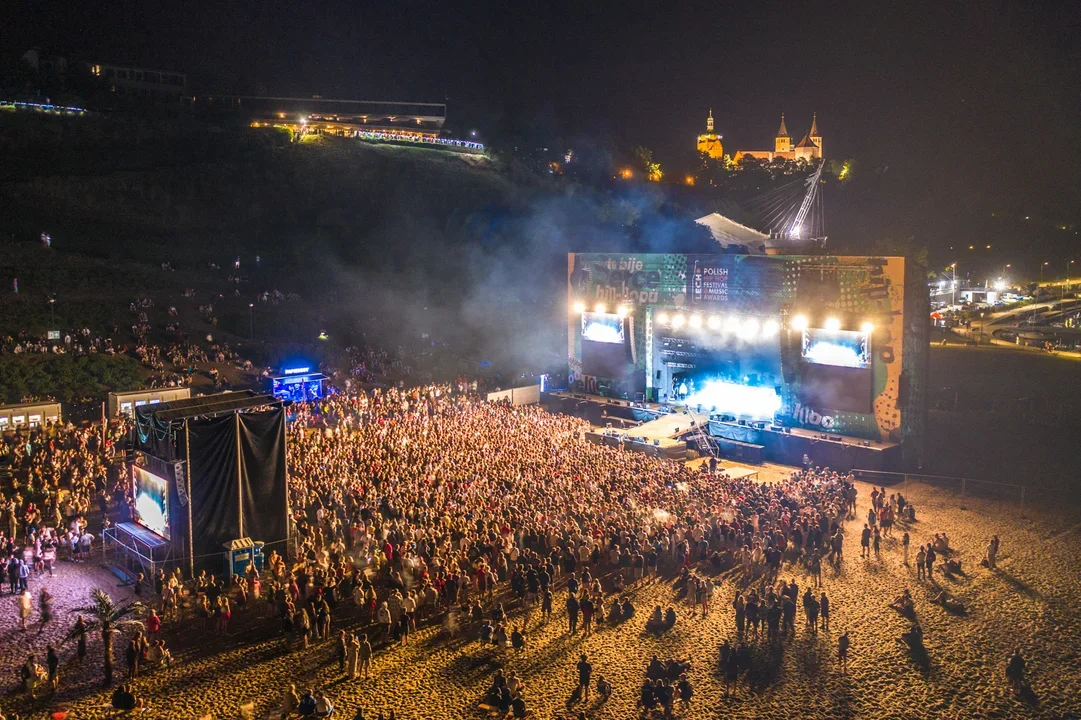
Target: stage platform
662, 428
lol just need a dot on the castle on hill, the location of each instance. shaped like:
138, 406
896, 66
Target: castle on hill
809, 148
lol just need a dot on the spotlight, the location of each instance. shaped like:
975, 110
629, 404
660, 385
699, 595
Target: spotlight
749, 329
799, 322
663, 318
867, 328
621, 311
677, 321
731, 324
600, 308
833, 324
714, 322
579, 307
696, 321
770, 328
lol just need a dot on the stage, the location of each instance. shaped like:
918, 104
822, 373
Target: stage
664, 430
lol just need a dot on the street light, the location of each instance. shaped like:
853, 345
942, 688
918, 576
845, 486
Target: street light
52, 312
953, 298
251, 321
1067, 286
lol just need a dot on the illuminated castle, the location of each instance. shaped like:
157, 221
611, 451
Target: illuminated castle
709, 142
808, 148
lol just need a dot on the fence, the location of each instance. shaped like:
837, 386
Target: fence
972, 487
528, 395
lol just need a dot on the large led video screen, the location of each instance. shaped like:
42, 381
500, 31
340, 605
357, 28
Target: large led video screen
602, 327
151, 501
841, 348
833, 388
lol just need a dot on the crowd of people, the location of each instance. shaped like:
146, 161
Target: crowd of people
429, 504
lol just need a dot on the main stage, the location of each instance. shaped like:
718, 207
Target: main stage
669, 430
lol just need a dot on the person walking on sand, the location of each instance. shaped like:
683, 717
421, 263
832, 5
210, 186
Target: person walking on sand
352, 655
843, 644
865, 541
25, 606
364, 655
585, 671
992, 552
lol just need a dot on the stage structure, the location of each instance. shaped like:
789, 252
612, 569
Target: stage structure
207, 471
772, 343
297, 384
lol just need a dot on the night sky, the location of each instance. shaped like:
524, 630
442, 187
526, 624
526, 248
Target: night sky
953, 111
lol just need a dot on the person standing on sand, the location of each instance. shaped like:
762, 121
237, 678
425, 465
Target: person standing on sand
931, 557
585, 671
905, 541
843, 644
992, 552
878, 544
921, 560
865, 541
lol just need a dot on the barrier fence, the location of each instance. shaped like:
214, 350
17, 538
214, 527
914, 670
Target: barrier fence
973, 487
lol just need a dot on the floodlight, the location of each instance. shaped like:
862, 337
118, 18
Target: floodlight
770, 328
731, 324
696, 321
868, 327
714, 322
579, 307
677, 321
799, 322
833, 324
663, 318
599, 308
621, 311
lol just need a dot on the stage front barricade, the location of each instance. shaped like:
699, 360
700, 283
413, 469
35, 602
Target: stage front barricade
672, 449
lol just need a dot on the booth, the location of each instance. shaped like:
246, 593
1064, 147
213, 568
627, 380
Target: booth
28, 415
125, 403
298, 384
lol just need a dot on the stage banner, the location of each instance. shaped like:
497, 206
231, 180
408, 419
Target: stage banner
737, 283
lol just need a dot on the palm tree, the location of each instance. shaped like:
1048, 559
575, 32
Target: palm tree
105, 616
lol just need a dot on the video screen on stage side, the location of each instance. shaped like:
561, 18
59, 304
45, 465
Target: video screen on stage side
828, 387
841, 348
151, 501
602, 327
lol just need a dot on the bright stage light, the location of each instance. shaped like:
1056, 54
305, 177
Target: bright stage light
827, 353
799, 322
599, 308
736, 399
833, 324
731, 324
621, 311
663, 318
579, 307
770, 328
867, 328
749, 329
696, 321
714, 322
678, 321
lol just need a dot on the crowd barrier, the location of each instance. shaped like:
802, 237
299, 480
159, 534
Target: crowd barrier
972, 487
528, 395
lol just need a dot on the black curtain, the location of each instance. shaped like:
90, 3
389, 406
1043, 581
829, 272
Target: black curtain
219, 492
262, 461
214, 497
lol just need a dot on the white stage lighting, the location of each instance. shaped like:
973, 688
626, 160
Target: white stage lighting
579, 307
678, 321
760, 403
714, 322
799, 322
749, 329
600, 308
621, 311
770, 328
663, 318
867, 328
833, 324
731, 324
696, 321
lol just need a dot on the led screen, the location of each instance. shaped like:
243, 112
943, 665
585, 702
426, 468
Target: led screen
840, 348
151, 501
602, 327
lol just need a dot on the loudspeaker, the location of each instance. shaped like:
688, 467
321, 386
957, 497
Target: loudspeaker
836, 438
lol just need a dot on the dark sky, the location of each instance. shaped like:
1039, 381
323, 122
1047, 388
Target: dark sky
968, 107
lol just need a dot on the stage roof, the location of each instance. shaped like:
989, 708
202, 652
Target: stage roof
730, 234
226, 402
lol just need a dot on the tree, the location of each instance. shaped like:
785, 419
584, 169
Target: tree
107, 618
652, 169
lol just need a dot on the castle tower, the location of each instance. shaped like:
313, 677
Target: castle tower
815, 137
783, 142
709, 142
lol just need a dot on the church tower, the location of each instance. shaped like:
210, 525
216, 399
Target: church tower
709, 142
783, 142
815, 137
